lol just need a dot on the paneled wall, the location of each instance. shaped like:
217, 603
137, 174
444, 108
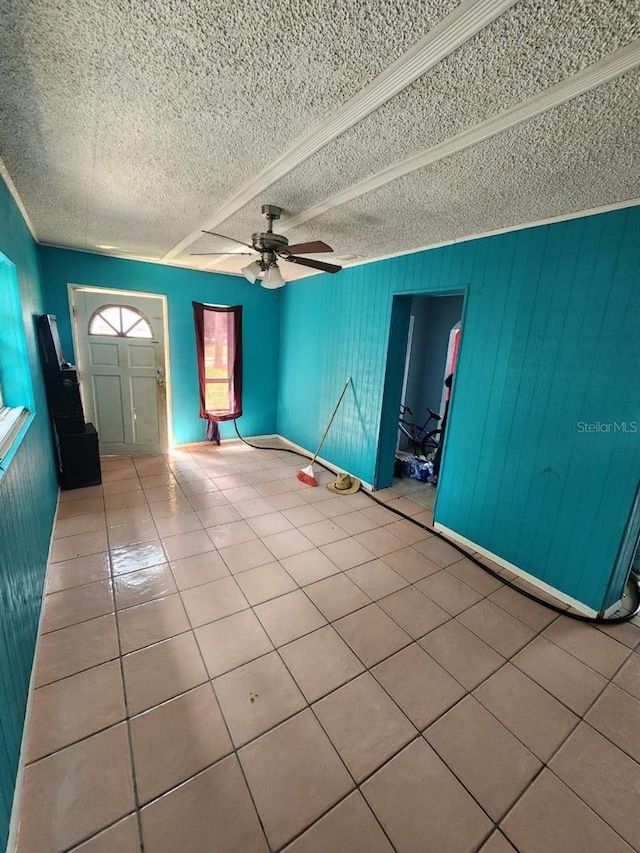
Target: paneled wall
261, 329
550, 347
28, 494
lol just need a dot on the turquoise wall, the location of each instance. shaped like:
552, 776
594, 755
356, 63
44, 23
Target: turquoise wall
261, 329
550, 340
28, 494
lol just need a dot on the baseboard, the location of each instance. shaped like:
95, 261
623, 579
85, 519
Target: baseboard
534, 581
613, 609
456, 537
17, 791
236, 440
324, 462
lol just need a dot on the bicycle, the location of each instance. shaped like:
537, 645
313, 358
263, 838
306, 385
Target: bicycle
428, 441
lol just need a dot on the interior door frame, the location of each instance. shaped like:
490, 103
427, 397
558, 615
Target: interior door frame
72, 287
397, 353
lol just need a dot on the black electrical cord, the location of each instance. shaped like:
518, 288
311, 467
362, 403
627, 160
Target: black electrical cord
593, 620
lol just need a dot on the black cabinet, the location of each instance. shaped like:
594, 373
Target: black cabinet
75, 441
79, 458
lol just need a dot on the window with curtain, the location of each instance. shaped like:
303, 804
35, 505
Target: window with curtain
219, 350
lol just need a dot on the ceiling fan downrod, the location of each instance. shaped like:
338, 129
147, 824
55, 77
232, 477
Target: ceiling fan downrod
271, 212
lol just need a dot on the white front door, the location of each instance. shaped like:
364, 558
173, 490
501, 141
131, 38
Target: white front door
121, 358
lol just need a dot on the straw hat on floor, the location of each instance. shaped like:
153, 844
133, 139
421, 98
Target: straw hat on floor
344, 484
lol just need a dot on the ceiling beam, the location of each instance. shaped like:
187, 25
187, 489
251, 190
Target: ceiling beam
468, 19
623, 60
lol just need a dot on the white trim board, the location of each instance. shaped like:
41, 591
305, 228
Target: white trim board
130, 256
550, 220
603, 71
4, 174
324, 462
466, 21
613, 609
275, 437
204, 443
534, 581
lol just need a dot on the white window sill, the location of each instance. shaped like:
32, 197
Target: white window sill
12, 421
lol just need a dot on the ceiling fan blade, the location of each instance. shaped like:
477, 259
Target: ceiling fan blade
232, 254
224, 237
309, 262
311, 248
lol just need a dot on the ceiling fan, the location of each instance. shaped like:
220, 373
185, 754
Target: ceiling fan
272, 247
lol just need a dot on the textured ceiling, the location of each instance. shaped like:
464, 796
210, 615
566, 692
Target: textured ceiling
130, 124
565, 160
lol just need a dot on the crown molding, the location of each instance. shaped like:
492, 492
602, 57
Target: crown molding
6, 177
468, 19
138, 258
550, 220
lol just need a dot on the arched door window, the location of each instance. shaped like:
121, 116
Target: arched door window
120, 321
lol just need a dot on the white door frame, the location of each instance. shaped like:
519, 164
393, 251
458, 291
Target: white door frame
73, 287
407, 365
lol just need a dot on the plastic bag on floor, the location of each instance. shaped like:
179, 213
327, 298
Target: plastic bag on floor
417, 469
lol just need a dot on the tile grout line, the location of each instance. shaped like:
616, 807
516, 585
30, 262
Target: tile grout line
326, 733
545, 765
234, 751
470, 693
126, 706
368, 669
412, 641
582, 719
288, 718
338, 573
309, 707
126, 719
485, 596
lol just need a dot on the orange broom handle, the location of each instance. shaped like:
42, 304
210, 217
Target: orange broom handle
326, 432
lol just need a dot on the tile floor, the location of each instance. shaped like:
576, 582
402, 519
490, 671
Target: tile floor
231, 661
422, 493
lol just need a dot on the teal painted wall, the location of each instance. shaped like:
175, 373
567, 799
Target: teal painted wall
261, 329
550, 340
28, 494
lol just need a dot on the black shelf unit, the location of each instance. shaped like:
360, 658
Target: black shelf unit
76, 442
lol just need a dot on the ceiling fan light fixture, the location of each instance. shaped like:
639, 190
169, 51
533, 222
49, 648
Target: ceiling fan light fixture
251, 272
273, 278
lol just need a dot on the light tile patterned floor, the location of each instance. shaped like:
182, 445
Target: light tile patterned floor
415, 490
234, 662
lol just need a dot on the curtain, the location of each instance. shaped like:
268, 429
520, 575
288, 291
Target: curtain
219, 350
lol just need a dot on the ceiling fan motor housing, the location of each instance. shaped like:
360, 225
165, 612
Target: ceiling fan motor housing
267, 241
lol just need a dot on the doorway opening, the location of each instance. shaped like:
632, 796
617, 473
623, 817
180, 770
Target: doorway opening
121, 345
426, 332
